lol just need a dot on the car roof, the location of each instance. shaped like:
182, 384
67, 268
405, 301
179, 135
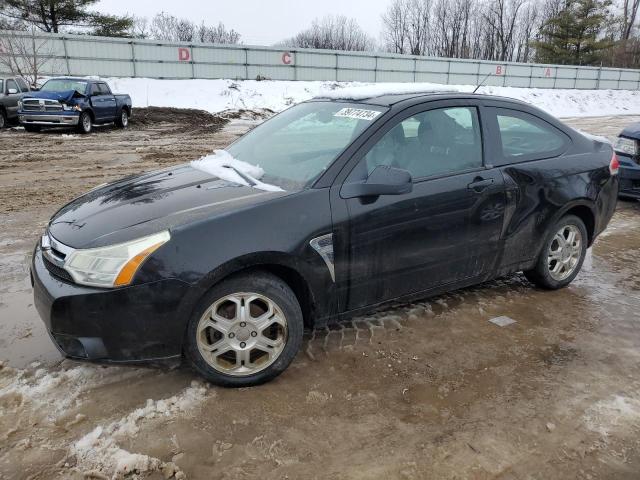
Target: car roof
389, 99
76, 79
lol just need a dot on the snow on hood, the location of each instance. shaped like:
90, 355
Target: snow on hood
65, 96
221, 164
378, 90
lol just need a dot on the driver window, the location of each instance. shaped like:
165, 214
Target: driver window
95, 89
435, 142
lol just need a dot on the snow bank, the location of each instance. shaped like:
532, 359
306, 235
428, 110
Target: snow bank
219, 95
221, 164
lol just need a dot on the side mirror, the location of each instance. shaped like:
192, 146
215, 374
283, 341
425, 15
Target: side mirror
12, 91
384, 180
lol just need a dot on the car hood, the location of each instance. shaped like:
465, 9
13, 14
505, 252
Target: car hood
632, 131
65, 96
145, 204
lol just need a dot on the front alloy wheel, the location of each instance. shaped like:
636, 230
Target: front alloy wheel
242, 334
245, 331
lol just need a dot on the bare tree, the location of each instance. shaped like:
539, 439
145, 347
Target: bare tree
25, 55
171, 28
333, 33
395, 23
628, 17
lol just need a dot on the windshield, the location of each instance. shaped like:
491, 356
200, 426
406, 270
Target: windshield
64, 85
295, 147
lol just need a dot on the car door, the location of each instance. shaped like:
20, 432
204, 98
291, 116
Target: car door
108, 101
12, 95
100, 109
446, 230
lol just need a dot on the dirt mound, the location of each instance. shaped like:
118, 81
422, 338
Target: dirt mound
187, 119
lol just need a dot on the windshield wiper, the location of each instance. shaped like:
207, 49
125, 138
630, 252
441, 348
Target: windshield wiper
250, 180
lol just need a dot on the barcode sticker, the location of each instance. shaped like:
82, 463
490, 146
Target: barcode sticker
358, 113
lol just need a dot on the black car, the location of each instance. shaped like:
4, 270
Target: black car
628, 151
327, 210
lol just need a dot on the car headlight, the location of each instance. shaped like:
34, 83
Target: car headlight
626, 145
115, 265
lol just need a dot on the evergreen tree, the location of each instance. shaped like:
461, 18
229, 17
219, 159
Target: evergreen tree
575, 35
56, 15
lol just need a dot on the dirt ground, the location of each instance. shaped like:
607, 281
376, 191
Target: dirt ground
420, 391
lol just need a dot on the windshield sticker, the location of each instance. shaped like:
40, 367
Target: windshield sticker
358, 114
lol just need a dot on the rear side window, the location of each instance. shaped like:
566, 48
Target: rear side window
526, 137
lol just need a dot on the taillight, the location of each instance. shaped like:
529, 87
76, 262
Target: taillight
614, 165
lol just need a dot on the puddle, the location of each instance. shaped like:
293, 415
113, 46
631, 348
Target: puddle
23, 337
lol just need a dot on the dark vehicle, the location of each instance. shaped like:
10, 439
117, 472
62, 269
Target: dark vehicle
355, 203
73, 102
11, 90
628, 152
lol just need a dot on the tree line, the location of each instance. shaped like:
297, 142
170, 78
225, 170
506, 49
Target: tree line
572, 32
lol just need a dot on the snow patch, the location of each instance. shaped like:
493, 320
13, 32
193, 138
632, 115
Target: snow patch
380, 89
222, 164
615, 412
98, 450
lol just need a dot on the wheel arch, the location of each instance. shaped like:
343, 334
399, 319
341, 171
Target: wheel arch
281, 265
585, 210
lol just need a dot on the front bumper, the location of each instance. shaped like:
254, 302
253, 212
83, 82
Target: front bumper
61, 119
140, 323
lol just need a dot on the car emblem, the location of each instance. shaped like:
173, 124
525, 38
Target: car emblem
42, 107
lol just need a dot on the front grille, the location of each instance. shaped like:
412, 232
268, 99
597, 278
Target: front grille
57, 271
35, 105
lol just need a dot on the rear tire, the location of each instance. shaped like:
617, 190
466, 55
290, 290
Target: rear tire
32, 128
3, 119
85, 123
562, 255
123, 120
245, 331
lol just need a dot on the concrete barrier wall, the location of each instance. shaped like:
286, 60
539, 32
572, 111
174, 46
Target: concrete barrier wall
115, 57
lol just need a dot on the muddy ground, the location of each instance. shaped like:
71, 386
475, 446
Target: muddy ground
427, 390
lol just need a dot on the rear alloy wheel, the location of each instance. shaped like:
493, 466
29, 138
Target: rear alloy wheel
85, 123
247, 331
123, 120
562, 255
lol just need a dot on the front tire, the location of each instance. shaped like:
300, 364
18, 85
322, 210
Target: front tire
85, 123
245, 331
562, 255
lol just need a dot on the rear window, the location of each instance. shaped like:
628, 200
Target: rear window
526, 137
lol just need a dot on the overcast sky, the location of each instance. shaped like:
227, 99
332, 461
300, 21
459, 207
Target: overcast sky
260, 22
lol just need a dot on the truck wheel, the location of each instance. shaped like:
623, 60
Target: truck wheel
3, 119
562, 254
123, 120
85, 124
32, 128
245, 331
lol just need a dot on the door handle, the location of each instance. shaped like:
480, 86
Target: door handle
479, 184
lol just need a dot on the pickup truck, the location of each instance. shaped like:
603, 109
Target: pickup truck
11, 89
73, 102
